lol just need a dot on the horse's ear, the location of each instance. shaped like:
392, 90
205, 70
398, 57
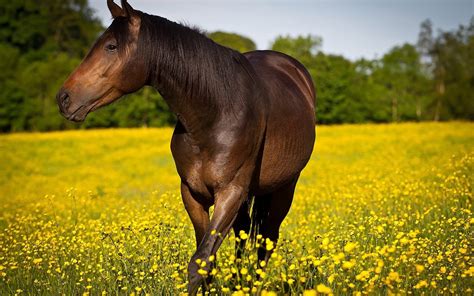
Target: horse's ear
129, 12
115, 10
127, 8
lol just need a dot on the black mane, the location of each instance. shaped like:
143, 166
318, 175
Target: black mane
201, 68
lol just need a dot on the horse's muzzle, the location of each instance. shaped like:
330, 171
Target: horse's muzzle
64, 101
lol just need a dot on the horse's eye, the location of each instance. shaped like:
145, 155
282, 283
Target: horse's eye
111, 47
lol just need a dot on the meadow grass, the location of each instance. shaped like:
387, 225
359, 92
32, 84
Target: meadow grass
379, 209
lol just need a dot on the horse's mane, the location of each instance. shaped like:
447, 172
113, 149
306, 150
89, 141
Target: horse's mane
201, 67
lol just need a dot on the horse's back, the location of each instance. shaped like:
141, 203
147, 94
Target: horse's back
277, 65
290, 129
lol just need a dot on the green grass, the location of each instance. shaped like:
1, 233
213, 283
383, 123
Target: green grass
379, 209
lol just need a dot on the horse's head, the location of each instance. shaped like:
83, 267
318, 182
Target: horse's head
112, 68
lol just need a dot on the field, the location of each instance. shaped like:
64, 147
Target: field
379, 209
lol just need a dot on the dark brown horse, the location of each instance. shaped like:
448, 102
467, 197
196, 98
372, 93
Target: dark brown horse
246, 124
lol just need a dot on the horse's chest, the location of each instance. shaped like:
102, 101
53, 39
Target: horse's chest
189, 164
216, 164
193, 176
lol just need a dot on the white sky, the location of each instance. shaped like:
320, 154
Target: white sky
353, 28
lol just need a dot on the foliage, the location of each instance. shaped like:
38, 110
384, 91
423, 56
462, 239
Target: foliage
432, 81
41, 42
54, 25
405, 86
390, 216
452, 55
233, 40
302, 47
337, 84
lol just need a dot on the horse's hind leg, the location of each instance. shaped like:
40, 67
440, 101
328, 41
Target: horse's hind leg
242, 223
278, 207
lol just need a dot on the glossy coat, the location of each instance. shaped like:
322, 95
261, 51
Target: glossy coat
246, 124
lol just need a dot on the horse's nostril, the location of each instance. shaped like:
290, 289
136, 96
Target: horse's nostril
63, 99
66, 101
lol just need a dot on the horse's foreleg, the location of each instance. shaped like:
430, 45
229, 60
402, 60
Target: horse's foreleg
227, 204
198, 213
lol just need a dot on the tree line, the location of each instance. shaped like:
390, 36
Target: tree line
41, 42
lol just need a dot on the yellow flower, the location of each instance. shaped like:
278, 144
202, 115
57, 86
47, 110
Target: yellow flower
419, 268
331, 278
349, 247
380, 265
470, 271
404, 241
243, 235
102, 239
363, 276
321, 288
269, 245
394, 276
348, 264
268, 293
338, 257
325, 242
421, 284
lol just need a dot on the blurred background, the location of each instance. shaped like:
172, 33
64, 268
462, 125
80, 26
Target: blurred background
371, 60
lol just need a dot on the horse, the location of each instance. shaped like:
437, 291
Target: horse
245, 122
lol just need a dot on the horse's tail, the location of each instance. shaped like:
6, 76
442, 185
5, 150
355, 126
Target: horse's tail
260, 208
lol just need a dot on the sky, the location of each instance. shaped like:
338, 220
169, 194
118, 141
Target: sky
352, 28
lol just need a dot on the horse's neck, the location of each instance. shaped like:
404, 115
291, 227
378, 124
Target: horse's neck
200, 112
202, 82
196, 113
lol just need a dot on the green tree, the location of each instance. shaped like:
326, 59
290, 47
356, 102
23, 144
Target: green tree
9, 95
233, 40
453, 56
60, 25
303, 48
41, 42
405, 84
39, 83
449, 59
